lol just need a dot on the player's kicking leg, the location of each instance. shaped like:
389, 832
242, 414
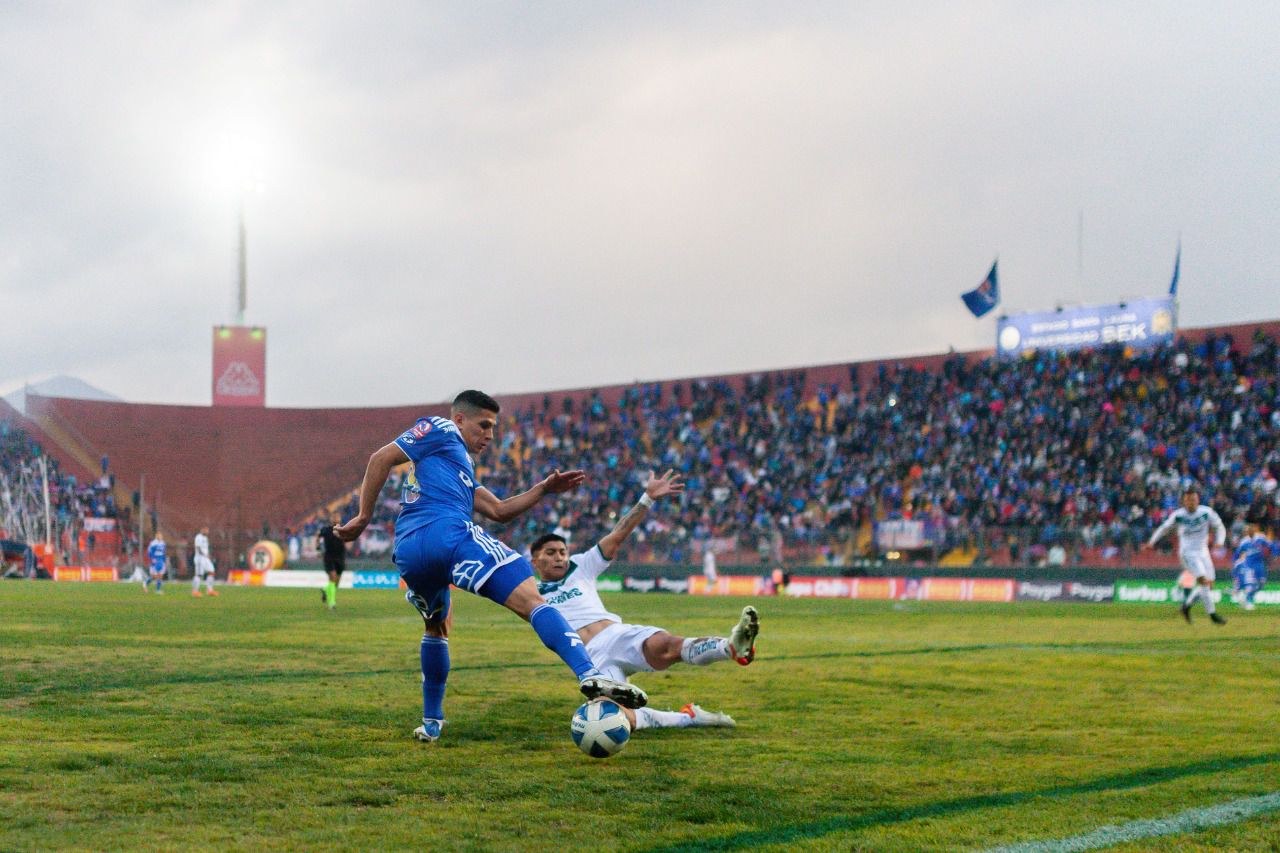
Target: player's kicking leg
690, 716
662, 649
523, 599
1202, 567
486, 566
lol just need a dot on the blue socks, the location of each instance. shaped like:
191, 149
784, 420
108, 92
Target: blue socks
554, 632
556, 635
435, 674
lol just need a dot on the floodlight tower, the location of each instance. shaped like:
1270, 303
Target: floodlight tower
239, 351
242, 266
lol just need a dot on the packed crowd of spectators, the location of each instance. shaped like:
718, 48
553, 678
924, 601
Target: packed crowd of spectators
1056, 454
71, 500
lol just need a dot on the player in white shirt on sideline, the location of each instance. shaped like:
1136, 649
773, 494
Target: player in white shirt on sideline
203, 568
616, 648
1194, 521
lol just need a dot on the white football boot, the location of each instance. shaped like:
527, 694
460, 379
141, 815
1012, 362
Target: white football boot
429, 731
742, 640
702, 717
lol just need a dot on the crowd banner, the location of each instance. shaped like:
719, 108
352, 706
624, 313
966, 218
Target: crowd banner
1166, 592
93, 524
1065, 591
301, 579
634, 584
85, 573
914, 589
726, 585
901, 534
1150, 592
366, 579
1135, 323
1095, 593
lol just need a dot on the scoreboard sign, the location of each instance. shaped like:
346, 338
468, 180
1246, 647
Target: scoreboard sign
239, 366
1139, 323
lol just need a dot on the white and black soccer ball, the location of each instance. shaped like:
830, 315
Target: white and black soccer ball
600, 728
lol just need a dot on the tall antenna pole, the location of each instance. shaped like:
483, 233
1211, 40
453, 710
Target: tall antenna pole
1080, 253
242, 266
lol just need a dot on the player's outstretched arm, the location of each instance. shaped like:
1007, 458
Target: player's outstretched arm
1219, 529
656, 487
375, 477
488, 504
1161, 531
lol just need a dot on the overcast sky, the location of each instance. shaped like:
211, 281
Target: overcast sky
528, 196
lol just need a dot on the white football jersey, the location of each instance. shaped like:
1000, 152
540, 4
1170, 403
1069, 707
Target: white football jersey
1193, 528
202, 545
575, 594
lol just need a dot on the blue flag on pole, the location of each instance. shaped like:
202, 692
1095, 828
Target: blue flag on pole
985, 296
1177, 270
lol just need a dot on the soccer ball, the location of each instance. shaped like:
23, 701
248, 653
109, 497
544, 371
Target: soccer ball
600, 728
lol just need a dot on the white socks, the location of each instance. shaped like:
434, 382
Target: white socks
1204, 594
647, 718
705, 650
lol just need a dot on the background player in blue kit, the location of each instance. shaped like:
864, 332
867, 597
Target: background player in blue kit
1250, 567
438, 544
156, 554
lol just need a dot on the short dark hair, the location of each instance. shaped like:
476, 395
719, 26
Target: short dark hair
541, 541
1191, 490
476, 401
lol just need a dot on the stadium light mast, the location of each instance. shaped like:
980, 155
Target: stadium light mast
242, 266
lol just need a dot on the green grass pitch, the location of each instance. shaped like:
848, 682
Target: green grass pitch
258, 721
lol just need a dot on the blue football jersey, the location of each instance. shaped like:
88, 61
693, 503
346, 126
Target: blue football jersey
442, 481
155, 551
1252, 553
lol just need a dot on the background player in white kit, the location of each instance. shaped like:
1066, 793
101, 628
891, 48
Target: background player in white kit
203, 568
618, 649
1193, 521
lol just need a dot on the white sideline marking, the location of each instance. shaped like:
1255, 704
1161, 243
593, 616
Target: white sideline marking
1191, 820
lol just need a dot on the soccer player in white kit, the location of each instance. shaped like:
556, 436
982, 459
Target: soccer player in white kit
203, 565
618, 649
1194, 521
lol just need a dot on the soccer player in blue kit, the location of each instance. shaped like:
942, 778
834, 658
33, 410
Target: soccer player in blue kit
156, 554
437, 544
1250, 568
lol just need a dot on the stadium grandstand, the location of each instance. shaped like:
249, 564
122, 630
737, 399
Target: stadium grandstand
948, 460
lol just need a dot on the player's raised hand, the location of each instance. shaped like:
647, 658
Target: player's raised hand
563, 481
350, 531
668, 484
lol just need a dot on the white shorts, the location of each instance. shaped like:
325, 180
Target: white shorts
618, 650
204, 566
1198, 563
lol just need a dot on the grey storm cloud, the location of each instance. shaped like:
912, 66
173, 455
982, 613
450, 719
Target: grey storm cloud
529, 196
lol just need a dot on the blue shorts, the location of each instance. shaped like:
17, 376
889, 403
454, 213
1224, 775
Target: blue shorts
156, 570
1246, 576
458, 552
